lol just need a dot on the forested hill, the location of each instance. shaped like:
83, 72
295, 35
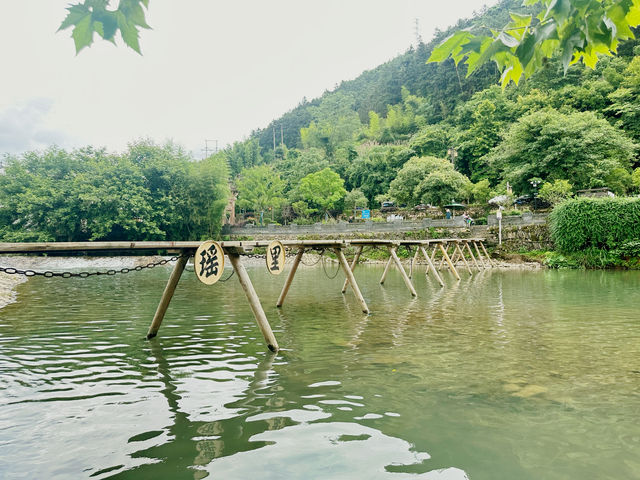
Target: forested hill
416, 132
375, 89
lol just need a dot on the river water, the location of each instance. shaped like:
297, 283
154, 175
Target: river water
503, 375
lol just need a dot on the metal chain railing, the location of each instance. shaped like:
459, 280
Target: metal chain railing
50, 274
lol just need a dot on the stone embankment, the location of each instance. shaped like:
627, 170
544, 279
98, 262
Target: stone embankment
528, 231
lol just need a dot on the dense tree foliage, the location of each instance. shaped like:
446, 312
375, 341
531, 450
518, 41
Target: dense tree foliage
147, 193
417, 132
260, 189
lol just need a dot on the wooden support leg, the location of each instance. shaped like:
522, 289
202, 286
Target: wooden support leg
352, 279
446, 257
491, 263
475, 245
356, 257
292, 273
472, 256
407, 280
386, 270
413, 261
167, 295
461, 253
430, 265
254, 302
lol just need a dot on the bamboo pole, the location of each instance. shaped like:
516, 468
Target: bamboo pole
413, 260
446, 257
292, 273
461, 253
254, 302
446, 251
356, 257
472, 256
386, 270
475, 245
441, 264
407, 280
430, 265
491, 262
167, 295
351, 278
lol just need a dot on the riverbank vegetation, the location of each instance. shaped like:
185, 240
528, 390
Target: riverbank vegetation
148, 192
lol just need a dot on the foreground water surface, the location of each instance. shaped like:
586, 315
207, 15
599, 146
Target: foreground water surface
506, 374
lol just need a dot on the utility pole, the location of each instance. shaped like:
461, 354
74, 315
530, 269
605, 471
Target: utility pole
206, 148
274, 140
281, 135
417, 32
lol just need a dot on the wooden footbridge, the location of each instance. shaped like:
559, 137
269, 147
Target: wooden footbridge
447, 253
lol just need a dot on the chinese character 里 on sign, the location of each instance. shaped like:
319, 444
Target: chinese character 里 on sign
275, 258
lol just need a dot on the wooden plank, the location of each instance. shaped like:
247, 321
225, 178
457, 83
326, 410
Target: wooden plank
430, 265
352, 279
167, 295
254, 302
292, 273
356, 257
407, 280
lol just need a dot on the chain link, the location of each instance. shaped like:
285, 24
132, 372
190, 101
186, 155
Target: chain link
50, 274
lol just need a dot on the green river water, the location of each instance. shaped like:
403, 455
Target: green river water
503, 375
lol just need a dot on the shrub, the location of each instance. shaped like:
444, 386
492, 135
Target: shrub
602, 223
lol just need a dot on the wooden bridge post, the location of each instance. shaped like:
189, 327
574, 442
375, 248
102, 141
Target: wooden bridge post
472, 256
413, 261
386, 270
292, 273
407, 280
461, 254
487, 254
446, 257
351, 278
431, 266
254, 302
167, 295
356, 257
475, 245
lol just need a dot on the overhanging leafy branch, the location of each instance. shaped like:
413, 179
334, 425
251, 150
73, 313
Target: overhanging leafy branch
574, 30
94, 16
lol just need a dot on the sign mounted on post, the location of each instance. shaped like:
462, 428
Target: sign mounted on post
275, 258
366, 213
209, 262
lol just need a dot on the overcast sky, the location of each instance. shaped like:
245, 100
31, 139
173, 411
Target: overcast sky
210, 69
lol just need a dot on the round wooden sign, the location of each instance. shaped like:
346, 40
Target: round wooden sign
208, 262
275, 258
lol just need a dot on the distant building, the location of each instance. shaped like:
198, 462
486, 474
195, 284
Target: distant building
596, 192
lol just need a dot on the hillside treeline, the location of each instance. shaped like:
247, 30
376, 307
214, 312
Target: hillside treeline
415, 133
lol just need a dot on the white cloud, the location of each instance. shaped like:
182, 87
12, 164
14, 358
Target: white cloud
24, 127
